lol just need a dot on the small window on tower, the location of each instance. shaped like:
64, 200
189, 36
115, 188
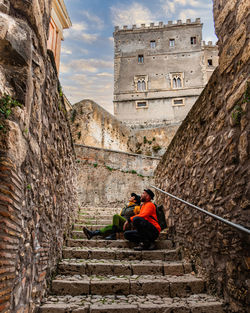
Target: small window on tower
193, 40
140, 58
152, 44
141, 104
171, 42
209, 62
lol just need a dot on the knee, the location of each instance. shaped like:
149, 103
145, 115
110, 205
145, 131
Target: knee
137, 221
126, 235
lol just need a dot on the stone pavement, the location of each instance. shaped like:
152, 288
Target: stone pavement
109, 276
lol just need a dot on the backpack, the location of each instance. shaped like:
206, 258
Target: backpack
160, 216
128, 211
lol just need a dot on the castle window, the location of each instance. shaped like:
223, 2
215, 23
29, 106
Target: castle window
152, 44
141, 104
178, 102
140, 58
176, 80
209, 62
141, 83
193, 40
171, 42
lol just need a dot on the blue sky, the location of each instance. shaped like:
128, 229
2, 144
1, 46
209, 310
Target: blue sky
86, 70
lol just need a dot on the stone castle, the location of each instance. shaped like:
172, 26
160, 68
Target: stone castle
160, 71
46, 180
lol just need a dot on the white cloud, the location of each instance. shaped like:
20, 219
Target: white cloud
105, 74
136, 13
78, 32
188, 13
65, 50
86, 65
99, 24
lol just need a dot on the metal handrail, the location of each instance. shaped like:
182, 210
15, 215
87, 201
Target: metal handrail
239, 227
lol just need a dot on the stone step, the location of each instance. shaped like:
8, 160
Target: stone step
94, 216
199, 303
171, 286
117, 267
78, 234
99, 211
120, 254
89, 222
160, 244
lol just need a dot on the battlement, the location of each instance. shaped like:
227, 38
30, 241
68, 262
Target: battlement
157, 26
208, 44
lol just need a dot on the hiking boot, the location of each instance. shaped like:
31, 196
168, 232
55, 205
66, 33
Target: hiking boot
145, 246
89, 234
111, 237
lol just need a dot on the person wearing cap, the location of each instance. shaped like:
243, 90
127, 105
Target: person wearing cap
119, 220
145, 224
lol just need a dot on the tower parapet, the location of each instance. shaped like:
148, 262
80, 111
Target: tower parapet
155, 26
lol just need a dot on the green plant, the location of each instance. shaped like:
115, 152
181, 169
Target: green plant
133, 172
7, 104
78, 161
73, 116
60, 89
95, 164
79, 134
156, 148
109, 168
145, 139
150, 141
29, 187
237, 114
26, 130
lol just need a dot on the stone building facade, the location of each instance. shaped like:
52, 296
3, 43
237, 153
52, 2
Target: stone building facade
37, 169
59, 20
207, 164
159, 71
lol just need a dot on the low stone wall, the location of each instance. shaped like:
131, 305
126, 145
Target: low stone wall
207, 164
107, 177
36, 157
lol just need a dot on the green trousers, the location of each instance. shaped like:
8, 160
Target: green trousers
118, 221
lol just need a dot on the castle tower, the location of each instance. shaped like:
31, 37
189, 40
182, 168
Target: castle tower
159, 71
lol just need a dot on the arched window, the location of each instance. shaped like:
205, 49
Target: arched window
139, 86
143, 85
177, 80
178, 83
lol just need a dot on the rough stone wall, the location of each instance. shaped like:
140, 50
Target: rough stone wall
92, 126
207, 164
36, 157
106, 177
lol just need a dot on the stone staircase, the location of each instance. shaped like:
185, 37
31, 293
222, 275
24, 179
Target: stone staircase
109, 276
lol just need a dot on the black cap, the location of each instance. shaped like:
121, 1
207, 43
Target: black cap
137, 198
150, 193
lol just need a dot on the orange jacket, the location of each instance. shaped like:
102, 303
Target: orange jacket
148, 209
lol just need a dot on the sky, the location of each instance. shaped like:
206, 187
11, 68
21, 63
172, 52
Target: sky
86, 69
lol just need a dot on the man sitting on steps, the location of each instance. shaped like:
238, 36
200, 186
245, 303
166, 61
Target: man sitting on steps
145, 223
131, 209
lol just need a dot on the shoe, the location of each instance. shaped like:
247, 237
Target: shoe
139, 247
111, 237
145, 246
89, 234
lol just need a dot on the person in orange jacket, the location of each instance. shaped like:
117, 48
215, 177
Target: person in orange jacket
145, 224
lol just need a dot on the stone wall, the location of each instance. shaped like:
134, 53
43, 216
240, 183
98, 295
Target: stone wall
207, 164
91, 125
36, 157
106, 177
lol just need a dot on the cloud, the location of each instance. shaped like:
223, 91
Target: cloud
78, 32
105, 74
66, 51
136, 13
86, 65
99, 24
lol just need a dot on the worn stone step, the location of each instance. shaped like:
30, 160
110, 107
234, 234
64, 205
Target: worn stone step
117, 267
160, 244
94, 217
171, 286
78, 234
99, 211
88, 222
120, 254
199, 303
